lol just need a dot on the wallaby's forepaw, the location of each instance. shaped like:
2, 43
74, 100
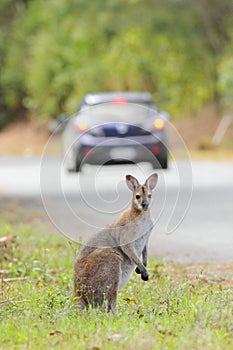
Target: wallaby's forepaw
144, 276
137, 270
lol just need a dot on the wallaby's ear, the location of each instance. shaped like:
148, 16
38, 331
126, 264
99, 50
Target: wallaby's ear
151, 182
132, 182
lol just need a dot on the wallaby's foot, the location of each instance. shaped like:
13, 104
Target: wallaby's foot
144, 276
113, 310
80, 303
137, 270
112, 300
112, 307
78, 306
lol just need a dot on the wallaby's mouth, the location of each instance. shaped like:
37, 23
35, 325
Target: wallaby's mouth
141, 207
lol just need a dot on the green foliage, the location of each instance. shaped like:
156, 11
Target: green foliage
55, 52
226, 81
174, 310
10, 10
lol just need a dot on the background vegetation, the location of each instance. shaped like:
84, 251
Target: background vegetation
54, 51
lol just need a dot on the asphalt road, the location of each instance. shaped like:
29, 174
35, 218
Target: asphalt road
192, 204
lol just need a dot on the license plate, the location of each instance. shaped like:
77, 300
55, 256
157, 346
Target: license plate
123, 153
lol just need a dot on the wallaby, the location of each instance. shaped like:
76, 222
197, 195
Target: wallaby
106, 261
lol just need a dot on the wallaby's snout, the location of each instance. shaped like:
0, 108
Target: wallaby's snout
145, 205
142, 198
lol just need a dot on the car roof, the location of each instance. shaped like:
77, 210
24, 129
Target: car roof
103, 97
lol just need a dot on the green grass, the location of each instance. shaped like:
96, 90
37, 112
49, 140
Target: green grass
181, 307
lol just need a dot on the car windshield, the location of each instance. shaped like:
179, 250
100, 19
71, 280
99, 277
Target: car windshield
118, 112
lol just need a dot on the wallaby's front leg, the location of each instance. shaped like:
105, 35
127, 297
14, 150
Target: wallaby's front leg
144, 255
144, 259
130, 252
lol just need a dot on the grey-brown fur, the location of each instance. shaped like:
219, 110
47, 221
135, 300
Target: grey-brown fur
106, 261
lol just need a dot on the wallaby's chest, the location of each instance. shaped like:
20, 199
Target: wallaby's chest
142, 229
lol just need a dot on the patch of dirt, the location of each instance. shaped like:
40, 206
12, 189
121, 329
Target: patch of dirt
206, 273
27, 138
195, 130
23, 138
198, 130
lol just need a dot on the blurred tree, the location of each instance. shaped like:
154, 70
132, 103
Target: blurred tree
216, 23
10, 10
55, 51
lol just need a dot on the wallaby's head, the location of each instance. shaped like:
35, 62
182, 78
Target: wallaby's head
141, 193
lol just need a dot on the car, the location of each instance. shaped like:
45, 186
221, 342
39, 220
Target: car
116, 127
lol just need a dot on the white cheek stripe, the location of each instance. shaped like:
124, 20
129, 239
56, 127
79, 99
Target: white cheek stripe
137, 205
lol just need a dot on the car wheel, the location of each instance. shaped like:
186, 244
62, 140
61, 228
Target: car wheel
163, 162
72, 164
78, 167
75, 169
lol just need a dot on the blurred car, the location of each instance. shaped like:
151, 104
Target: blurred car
116, 127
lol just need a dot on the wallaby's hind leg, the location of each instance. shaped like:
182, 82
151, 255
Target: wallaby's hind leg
97, 277
112, 298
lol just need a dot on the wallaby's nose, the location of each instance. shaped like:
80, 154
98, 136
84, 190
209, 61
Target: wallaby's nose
145, 205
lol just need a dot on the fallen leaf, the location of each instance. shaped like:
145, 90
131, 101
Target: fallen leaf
115, 337
56, 332
165, 332
128, 300
7, 241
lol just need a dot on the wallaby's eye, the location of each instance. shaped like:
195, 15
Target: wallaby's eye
149, 195
138, 196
